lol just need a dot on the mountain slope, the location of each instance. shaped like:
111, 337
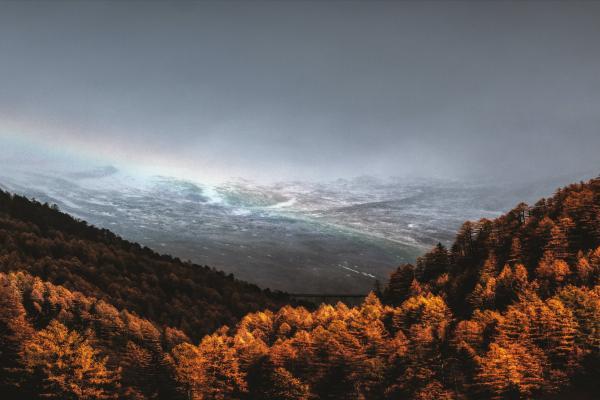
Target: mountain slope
119, 354
553, 242
44, 242
511, 311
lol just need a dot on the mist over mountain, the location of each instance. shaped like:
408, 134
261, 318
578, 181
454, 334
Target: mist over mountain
299, 200
333, 237
308, 90
509, 310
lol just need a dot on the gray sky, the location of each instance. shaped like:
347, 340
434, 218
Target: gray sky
282, 89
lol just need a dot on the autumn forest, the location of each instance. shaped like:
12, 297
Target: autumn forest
510, 311
299, 200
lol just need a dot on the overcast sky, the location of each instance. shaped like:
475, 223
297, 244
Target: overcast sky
310, 90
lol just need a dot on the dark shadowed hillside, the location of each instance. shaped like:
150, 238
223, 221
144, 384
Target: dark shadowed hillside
53, 246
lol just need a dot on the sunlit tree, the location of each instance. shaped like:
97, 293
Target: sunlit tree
69, 366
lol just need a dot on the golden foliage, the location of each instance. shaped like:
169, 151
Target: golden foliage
70, 366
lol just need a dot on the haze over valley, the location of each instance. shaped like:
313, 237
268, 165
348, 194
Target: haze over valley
299, 200
334, 237
141, 118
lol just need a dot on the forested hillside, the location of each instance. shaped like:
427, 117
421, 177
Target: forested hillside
510, 311
49, 244
62, 344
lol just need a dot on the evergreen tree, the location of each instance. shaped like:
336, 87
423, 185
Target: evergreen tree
399, 286
516, 251
69, 366
14, 331
510, 371
433, 264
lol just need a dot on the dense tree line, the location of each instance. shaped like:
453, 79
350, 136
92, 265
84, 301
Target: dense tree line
510, 311
550, 245
44, 242
417, 350
62, 344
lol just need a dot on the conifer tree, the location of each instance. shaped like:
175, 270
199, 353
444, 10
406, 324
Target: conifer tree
557, 247
280, 384
516, 251
69, 366
399, 286
14, 331
510, 371
138, 372
433, 264
219, 366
